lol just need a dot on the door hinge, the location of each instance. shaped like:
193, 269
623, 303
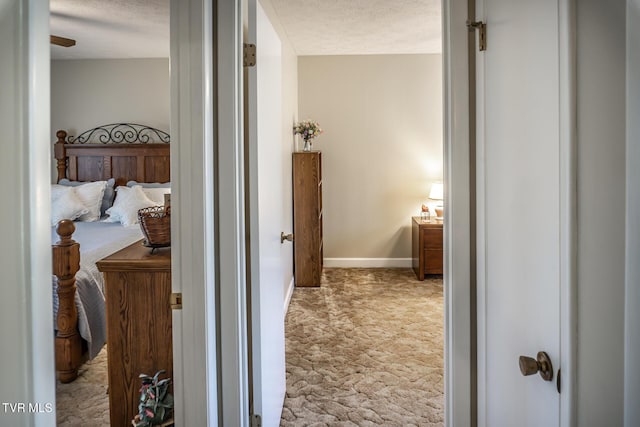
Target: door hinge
482, 33
249, 55
176, 301
256, 420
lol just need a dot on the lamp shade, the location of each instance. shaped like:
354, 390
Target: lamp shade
437, 191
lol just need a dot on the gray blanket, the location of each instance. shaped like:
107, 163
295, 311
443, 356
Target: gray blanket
97, 240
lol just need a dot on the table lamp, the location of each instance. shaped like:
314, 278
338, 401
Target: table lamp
437, 193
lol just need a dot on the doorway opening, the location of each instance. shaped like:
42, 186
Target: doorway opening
382, 149
110, 114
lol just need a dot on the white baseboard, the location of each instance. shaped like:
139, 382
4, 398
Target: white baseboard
368, 262
287, 297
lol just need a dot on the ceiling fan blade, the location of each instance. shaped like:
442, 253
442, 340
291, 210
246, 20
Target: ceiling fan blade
61, 41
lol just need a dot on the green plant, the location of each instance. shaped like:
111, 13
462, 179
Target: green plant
156, 403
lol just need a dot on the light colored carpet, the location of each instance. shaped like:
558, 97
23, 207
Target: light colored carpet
365, 349
85, 401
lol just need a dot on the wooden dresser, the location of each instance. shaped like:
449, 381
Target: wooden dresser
307, 218
138, 293
426, 239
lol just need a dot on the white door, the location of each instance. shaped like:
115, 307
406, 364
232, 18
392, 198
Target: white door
523, 230
266, 218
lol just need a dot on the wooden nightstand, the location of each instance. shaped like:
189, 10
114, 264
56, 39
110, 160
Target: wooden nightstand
426, 239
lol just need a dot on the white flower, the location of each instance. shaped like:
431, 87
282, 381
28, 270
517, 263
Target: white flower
307, 129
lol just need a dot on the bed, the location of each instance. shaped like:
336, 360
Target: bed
125, 152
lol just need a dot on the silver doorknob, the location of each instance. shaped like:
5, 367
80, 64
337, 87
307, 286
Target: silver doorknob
284, 237
529, 366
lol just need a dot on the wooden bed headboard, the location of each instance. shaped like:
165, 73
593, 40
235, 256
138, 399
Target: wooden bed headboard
123, 151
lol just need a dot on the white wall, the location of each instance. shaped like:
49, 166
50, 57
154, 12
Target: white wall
601, 211
382, 146
89, 92
632, 295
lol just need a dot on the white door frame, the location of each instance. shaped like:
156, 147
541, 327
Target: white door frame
457, 254
632, 250
457, 266
28, 373
457, 291
231, 308
209, 260
195, 271
568, 212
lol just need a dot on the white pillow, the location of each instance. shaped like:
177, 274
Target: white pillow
129, 200
109, 192
156, 194
91, 195
65, 204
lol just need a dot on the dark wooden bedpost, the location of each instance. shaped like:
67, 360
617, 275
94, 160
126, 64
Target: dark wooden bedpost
66, 263
60, 154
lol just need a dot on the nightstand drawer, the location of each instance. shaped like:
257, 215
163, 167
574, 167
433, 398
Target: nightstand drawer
432, 238
432, 261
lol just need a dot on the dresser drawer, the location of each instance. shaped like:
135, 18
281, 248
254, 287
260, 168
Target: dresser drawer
432, 238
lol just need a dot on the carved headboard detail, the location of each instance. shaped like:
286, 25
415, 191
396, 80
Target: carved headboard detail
124, 151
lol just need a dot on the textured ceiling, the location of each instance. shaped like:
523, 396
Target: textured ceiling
140, 28
356, 27
111, 28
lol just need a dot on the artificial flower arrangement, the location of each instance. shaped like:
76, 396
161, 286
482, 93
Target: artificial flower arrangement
308, 130
156, 403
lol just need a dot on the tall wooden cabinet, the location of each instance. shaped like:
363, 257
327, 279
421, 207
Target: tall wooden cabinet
307, 217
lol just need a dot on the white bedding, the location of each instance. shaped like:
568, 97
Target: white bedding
97, 240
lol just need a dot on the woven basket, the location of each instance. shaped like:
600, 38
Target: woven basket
155, 223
